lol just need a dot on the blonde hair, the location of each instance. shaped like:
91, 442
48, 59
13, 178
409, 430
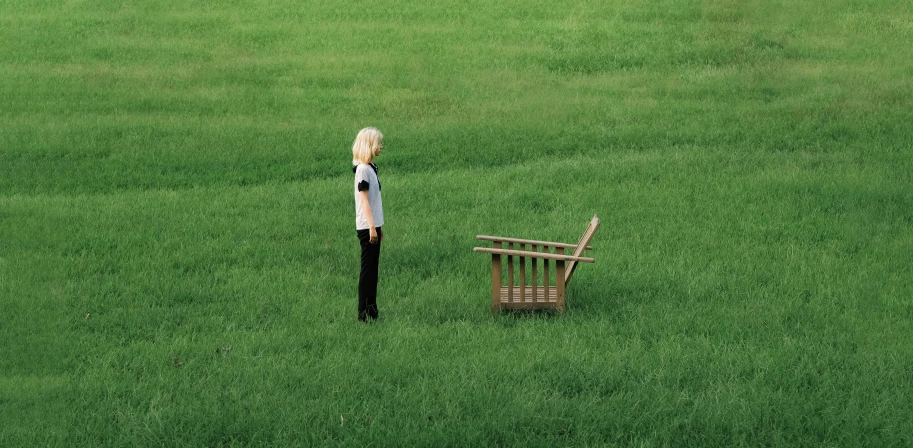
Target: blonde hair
365, 146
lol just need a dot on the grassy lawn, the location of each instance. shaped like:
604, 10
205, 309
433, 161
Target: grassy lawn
178, 260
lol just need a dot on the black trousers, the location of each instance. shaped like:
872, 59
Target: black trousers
367, 280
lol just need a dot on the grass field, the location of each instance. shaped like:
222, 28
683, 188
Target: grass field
178, 261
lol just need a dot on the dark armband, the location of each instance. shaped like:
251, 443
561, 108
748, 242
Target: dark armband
363, 186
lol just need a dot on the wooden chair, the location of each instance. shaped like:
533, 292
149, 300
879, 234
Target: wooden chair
534, 295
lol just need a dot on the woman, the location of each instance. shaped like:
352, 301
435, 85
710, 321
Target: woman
369, 217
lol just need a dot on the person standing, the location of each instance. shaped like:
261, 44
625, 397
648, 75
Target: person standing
369, 217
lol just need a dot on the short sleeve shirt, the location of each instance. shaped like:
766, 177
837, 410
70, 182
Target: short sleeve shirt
366, 180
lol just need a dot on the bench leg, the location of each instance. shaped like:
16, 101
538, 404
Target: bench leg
496, 281
559, 285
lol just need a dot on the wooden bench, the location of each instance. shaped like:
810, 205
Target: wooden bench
536, 292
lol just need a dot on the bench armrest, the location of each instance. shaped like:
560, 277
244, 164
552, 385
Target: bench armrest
542, 255
520, 241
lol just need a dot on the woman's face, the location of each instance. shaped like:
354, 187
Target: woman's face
380, 146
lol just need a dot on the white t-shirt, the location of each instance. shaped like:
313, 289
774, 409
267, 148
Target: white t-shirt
366, 180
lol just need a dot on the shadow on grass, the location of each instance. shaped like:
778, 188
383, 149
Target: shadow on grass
586, 301
511, 318
520, 314
618, 301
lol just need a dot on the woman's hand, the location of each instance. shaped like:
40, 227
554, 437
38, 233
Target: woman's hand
374, 238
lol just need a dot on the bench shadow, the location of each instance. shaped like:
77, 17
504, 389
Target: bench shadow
517, 314
610, 301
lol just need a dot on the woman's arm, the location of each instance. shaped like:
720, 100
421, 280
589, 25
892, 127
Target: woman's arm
366, 208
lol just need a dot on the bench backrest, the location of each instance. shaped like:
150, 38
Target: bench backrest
581, 246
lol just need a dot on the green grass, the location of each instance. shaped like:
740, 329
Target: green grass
178, 261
